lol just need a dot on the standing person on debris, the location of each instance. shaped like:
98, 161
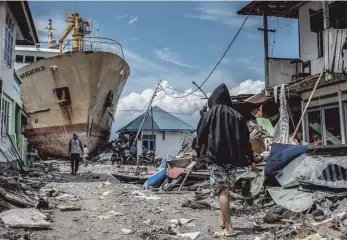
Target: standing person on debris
75, 150
223, 142
85, 155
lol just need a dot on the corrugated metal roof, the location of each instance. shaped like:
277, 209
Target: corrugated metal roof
257, 98
162, 120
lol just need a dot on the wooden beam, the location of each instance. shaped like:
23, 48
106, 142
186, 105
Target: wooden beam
39, 110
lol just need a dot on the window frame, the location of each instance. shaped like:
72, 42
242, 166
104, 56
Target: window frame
321, 110
9, 40
5, 116
147, 139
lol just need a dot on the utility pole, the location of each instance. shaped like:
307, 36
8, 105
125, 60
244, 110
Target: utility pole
152, 129
266, 48
144, 117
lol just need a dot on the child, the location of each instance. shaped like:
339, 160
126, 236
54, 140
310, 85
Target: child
85, 155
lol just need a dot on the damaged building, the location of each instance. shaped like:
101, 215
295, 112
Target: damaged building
17, 27
322, 52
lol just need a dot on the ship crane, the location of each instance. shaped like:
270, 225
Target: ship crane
79, 28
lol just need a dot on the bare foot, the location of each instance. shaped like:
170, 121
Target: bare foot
224, 233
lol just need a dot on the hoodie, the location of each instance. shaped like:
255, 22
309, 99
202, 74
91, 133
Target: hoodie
222, 134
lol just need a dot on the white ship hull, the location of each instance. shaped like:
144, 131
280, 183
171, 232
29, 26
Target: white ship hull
91, 79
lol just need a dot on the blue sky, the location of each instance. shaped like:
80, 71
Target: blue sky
179, 42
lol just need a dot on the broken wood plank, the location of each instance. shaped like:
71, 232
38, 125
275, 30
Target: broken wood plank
38, 110
332, 48
326, 49
342, 67
190, 167
328, 232
337, 50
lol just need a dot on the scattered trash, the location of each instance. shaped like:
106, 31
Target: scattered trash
138, 194
66, 208
110, 215
181, 221
126, 231
193, 235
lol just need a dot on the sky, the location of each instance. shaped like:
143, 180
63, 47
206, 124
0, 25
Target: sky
178, 42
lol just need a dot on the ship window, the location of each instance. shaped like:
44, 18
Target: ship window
29, 59
39, 58
9, 41
5, 116
63, 96
19, 58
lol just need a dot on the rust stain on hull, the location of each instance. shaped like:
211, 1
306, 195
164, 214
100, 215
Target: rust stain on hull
89, 78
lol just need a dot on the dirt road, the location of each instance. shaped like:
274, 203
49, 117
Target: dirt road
114, 210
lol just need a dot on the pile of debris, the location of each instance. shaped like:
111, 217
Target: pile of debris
24, 204
300, 190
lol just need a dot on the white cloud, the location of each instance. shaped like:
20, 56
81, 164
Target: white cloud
134, 19
222, 15
167, 55
186, 108
134, 39
247, 87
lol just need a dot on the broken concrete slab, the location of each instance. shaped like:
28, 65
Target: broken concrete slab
17, 199
25, 218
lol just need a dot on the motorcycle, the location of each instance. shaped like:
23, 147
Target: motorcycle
149, 159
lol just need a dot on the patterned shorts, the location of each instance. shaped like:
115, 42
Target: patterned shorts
221, 177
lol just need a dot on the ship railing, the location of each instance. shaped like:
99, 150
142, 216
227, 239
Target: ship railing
39, 45
94, 44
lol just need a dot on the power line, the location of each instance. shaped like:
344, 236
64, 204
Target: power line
182, 91
138, 110
226, 51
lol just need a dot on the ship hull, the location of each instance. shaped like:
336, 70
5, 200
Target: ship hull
73, 93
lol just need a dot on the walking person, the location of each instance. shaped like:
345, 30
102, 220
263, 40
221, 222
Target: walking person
223, 142
85, 155
75, 151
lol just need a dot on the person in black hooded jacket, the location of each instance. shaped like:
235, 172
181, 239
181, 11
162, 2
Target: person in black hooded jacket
223, 142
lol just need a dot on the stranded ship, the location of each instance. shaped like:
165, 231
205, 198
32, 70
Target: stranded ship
72, 86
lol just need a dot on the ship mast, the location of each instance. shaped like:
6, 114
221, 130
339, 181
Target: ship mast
50, 34
79, 28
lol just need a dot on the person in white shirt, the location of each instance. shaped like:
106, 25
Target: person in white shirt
85, 155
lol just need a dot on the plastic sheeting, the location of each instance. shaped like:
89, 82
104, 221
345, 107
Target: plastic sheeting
281, 155
281, 131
